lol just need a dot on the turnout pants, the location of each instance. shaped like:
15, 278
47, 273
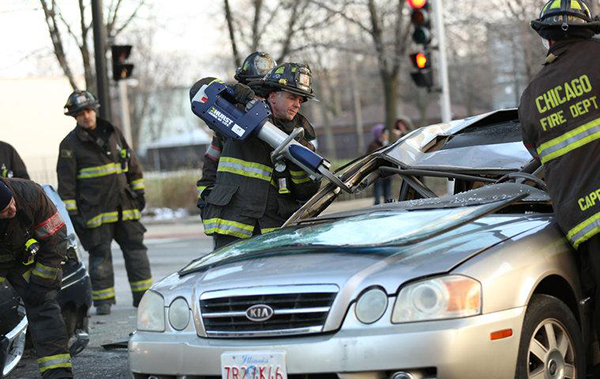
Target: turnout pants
46, 325
130, 237
590, 275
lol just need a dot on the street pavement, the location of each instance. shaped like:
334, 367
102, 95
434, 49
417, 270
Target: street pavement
171, 245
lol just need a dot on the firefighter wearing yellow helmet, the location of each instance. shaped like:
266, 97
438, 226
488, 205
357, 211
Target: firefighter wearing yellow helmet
560, 119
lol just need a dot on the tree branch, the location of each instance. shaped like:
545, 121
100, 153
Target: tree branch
343, 15
50, 17
231, 27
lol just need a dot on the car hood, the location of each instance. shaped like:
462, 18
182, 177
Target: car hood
386, 248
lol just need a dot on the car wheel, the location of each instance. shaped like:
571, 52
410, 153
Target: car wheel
551, 345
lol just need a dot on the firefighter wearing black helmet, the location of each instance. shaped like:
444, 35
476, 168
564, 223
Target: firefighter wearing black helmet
250, 195
254, 67
101, 184
560, 120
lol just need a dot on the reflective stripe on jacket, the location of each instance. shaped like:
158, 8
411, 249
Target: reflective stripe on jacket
244, 192
38, 218
560, 118
98, 175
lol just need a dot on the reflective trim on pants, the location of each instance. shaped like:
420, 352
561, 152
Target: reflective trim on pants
108, 293
55, 361
141, 285
232, 228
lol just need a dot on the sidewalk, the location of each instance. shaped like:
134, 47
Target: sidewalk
191, 226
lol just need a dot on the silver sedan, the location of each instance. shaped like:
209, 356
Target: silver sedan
476, 284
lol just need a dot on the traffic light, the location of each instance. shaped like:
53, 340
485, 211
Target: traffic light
421, 20
423, 77
121, 69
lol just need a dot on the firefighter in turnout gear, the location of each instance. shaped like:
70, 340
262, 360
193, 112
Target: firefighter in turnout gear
101, 184
254, 67
560, 119
250, 195
33, 244
11, 164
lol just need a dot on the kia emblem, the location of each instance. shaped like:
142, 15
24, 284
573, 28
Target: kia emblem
259, 312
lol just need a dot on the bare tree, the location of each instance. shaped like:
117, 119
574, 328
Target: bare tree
157, 96
386, 25
282, 27
58, 25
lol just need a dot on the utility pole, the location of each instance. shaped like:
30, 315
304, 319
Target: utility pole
100, 59
443, 64
125, 120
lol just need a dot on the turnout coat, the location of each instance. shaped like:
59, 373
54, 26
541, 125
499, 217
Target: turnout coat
560, 118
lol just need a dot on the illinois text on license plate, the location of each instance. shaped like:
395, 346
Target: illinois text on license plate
253, 365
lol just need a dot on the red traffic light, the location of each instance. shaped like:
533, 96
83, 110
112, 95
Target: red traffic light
420, 60
417, 4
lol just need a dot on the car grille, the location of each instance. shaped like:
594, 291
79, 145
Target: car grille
296, 310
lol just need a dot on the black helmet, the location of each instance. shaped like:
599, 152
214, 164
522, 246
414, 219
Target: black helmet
295, 78
560, 19
255, 66
80, 100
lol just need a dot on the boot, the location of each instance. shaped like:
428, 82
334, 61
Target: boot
103, 309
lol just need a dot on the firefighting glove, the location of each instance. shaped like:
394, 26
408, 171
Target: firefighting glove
141, 201
202, 199
242, 93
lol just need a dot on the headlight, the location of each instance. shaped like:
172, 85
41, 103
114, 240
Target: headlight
151, 313
371, 305
440, 298
179, 314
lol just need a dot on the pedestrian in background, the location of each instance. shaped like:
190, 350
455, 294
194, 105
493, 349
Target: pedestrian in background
11, 164
101, 184
382, 186
401, 128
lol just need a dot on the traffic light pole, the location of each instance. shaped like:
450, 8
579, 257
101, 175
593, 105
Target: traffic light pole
443, 62
100, 59
125, 121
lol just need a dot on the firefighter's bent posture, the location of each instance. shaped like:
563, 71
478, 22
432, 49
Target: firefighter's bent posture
100, 181
32, 249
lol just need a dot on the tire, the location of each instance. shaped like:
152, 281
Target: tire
551, 345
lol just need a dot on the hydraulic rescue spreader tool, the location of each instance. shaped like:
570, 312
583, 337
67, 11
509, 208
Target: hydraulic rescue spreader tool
214, 104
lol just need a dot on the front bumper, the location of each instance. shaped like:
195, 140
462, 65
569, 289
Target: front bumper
459, 348
12, 346
76, 287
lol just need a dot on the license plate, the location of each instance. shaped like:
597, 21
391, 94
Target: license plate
253, 365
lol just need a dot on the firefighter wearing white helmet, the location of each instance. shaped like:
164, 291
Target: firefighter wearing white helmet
560, 119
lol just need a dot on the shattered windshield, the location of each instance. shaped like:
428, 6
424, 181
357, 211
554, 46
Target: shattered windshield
381, 228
